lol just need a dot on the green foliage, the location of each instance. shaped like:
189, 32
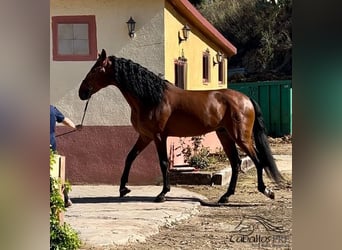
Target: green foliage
198, 2
52, 158
67, 186
260, 30
218, 157
195, 154
62, 236
200, 160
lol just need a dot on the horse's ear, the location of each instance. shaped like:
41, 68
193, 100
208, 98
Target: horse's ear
103, 55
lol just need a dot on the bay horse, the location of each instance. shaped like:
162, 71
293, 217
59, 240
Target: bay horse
160, 109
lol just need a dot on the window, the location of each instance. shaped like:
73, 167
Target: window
180, 72
221, 72
205, 64
74, 38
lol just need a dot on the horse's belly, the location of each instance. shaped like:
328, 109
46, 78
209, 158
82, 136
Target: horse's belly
187, 133
187, 126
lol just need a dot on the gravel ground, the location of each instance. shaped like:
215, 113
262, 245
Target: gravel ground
257, 223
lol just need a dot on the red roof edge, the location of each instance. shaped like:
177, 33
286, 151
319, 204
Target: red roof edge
191, 13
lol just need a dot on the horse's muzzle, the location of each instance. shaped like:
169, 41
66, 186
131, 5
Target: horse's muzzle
84, 94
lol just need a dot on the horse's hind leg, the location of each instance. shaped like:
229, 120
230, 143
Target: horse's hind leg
139, 146
247, 146
230, 149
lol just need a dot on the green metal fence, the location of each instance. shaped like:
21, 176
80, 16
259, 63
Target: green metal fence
275, 100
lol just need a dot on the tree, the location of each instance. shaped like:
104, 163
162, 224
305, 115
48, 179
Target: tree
260, 29
199, 2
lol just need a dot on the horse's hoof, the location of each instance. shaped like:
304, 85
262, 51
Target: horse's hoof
160, 198
269, 193
223, 199
124, 191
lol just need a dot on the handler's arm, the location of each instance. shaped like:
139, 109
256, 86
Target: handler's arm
68, 122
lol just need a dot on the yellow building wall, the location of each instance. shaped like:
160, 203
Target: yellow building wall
193, 50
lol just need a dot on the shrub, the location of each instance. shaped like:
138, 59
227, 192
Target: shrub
218, 157
62, 236
195, 154
199, 161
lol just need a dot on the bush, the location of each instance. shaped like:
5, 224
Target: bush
199, 161
218, 157
196, 155
62, 236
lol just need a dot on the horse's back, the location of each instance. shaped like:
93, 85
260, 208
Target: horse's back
199, 101
195, 112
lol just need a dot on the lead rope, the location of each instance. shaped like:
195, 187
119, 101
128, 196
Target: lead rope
84, 112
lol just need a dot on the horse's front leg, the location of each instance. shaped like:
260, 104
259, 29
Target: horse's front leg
164, 163
139, 146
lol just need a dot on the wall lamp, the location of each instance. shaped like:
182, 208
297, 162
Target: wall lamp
131, 27
219, 57
185, 31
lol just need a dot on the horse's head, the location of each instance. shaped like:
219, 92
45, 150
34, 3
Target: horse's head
97, 78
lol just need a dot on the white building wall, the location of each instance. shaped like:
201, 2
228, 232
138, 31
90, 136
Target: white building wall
107, 107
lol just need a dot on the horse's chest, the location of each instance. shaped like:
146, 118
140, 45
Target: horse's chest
145, 124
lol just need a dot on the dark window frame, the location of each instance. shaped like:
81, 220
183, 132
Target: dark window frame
180, 72
221, 75
206, 67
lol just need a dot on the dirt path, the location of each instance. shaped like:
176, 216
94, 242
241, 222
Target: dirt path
264, 224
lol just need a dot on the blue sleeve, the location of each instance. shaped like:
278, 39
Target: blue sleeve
58, 114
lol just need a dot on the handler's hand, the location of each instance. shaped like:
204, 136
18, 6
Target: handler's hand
79, 127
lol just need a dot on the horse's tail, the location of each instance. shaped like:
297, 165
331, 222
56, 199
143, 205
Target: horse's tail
262, 146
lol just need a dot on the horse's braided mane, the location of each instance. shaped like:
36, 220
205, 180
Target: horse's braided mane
139, 81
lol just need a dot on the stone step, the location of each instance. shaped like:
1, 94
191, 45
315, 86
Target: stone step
197, 177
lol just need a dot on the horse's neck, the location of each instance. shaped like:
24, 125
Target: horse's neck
132, 102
